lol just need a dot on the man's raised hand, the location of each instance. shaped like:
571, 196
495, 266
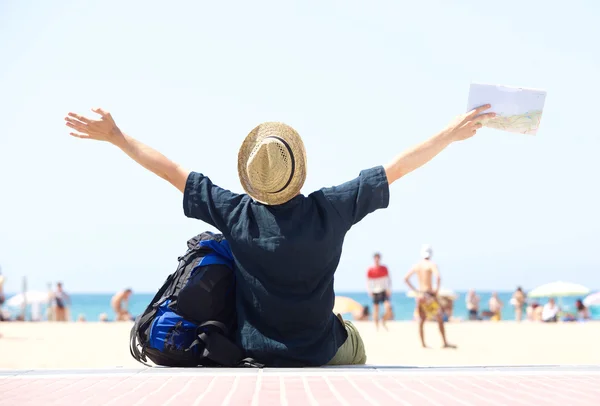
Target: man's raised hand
466, 125
103, 129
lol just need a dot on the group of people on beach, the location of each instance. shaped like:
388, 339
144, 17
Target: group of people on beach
428, 304
58, 305
431, 305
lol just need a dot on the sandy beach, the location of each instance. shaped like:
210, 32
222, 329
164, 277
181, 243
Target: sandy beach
100, 345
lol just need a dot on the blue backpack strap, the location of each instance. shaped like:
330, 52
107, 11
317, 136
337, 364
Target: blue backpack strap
221, 248
214, 259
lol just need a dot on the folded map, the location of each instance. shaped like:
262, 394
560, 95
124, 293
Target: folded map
518, 110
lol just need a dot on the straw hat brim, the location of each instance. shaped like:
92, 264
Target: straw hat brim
296, 146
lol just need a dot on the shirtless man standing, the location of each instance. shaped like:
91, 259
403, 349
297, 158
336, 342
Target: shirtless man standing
119, 304
427, 301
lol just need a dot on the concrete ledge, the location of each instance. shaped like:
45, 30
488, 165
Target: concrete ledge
359, 385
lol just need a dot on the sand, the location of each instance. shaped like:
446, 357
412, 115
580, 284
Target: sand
101, 345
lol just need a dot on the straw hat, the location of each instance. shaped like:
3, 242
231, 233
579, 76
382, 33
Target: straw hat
272, 163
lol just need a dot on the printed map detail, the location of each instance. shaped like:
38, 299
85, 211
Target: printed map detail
518, 110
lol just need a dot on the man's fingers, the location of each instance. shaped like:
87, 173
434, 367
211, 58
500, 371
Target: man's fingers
485, 116
77, 126
75, 121
80, 118
478, 121
478, 110
102, 112
79, 135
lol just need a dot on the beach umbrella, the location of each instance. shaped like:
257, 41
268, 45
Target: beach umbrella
592, 300
30, 297
559, 289
447, 293
344, 304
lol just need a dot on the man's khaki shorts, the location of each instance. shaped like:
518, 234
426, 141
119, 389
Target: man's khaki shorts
352, 352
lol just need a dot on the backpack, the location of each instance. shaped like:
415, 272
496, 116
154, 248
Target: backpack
191, 321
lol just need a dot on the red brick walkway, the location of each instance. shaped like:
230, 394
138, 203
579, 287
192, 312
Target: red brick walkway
351, 386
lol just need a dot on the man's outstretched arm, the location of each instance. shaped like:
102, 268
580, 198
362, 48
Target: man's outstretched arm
407, 280
105, 129
154, 161
463, 127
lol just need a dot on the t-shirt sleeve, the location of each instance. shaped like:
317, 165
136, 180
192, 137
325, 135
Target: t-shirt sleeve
363, 195
210, 203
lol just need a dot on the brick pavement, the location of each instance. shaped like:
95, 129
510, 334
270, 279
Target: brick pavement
317, 386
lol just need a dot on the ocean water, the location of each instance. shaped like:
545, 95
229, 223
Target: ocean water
92, 305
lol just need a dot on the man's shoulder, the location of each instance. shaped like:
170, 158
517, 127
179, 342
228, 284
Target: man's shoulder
375, 177
198, 180
428, 265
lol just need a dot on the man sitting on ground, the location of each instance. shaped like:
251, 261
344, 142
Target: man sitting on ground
119, 304
286, 246
550, 311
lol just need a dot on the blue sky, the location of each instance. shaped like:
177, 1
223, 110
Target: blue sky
360, 81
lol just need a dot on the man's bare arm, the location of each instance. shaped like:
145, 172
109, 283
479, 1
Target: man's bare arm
407, 279
105, 129
416, 157
463, 127
438, 278
154, 161
388, 291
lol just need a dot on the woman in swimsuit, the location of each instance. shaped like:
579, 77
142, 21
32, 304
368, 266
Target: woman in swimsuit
518, 301
60, 303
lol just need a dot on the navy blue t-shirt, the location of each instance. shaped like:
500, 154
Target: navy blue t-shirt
286, 256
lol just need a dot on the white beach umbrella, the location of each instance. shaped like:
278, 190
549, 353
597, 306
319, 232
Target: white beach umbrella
31, 297
592, 300
447, 293
559, 289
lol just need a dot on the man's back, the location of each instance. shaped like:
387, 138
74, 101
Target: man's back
425, 270
286, 256
279, 298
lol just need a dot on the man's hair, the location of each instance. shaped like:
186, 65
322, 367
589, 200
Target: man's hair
377, 255
128, 290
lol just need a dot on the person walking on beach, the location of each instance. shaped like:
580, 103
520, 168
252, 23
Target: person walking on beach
518, 301
472, 302
495, 305
286, 246
60, 300
427, 301
379, 287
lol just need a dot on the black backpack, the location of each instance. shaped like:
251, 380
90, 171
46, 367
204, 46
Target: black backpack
191, 321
